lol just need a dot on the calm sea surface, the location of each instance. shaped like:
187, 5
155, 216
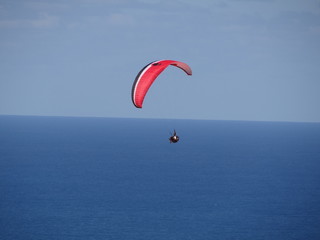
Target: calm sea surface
100, 178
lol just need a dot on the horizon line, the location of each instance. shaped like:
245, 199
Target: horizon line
156, 118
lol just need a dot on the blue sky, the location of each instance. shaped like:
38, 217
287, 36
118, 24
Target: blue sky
251, 59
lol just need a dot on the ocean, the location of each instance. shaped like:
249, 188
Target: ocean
112, 178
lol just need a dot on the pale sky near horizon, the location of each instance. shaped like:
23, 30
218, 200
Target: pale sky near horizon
251, 59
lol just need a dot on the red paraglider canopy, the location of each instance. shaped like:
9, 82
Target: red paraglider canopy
148, 74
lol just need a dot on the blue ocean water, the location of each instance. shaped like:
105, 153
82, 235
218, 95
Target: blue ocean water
100, 178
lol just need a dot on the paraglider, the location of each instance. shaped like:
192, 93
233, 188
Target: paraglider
174, 138
148, 75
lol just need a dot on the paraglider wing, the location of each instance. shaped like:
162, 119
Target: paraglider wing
148, 74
